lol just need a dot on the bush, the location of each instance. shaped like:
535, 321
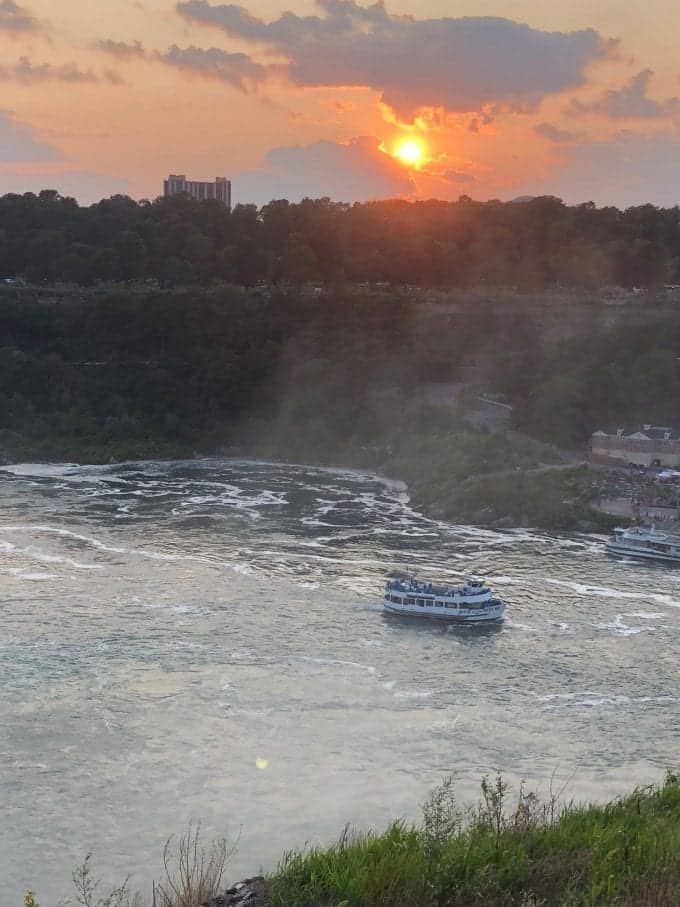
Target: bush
193, 874
625, 853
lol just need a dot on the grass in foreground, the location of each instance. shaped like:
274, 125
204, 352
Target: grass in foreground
528, 854
625, 853
192, 875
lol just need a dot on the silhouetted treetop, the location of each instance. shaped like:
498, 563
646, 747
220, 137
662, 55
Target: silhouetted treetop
531, 244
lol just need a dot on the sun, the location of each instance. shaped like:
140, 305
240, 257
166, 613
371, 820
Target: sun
410, 152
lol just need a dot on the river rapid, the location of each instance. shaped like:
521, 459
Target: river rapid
204, 640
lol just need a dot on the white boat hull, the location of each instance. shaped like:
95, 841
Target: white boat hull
645, 554
484, 614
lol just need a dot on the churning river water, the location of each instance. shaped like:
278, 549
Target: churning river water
204, 640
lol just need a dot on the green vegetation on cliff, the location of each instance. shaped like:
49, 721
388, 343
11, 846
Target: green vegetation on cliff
525, 853
341, 379
532, 855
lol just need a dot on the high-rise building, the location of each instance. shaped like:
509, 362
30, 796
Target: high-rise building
176, 184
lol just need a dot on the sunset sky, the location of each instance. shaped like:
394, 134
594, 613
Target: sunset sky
502, 97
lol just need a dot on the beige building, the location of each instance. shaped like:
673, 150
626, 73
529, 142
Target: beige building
177, 184
652, 445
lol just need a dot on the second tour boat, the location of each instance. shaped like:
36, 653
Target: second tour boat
645, 542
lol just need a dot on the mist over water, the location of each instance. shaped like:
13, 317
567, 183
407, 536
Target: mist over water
204, 640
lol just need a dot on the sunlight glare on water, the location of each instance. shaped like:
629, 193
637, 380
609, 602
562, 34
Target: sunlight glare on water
204, 640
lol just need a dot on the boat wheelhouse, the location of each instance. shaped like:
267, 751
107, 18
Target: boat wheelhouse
645, 542
472, 602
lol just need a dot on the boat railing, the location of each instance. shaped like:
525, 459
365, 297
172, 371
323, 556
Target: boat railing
415, 588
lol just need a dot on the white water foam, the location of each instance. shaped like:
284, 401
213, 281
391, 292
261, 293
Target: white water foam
414, 694
64, 533
199, 610
515, 625
42, 470
591, 700
58, 559
607, 592
28, 575
619, 627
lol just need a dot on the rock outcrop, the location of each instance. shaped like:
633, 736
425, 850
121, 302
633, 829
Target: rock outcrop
249, 893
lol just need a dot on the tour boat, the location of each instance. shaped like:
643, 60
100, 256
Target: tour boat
645, 542
469, 603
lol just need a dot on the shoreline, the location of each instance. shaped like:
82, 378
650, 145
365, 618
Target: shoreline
417, 488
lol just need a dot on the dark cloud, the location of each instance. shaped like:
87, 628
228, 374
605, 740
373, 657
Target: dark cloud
459, 64
630, 102
553, 133
458, 176
15, 18
344, 106
30, 74
484, 119
112, 77
18, 143
627, 169
355, 171
122, 50
236, 69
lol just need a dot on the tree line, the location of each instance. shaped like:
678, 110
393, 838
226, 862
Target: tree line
166, 373
152, 373
531, 245
617, 376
